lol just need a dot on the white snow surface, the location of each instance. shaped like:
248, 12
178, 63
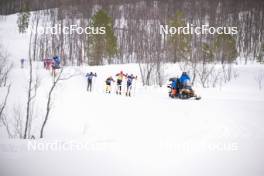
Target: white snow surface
146, 134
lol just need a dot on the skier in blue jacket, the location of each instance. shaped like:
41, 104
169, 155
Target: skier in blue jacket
130, 79
90, 80
56, 62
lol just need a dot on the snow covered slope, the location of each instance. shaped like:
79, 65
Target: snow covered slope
147, 134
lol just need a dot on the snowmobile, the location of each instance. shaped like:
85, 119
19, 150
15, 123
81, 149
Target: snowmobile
181, 91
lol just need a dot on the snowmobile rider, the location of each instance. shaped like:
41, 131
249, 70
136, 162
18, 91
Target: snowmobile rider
175, 86
130, 79
108, 82
184, 79
90, 80
119, 81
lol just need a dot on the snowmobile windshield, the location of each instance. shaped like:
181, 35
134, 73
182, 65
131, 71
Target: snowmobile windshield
173, 79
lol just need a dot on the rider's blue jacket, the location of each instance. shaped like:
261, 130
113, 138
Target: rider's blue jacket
184, 78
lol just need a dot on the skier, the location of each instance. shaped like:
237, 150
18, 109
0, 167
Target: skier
119, 81
90, 80
55, 64
108, 82
22, 61
130, 79
48, 63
